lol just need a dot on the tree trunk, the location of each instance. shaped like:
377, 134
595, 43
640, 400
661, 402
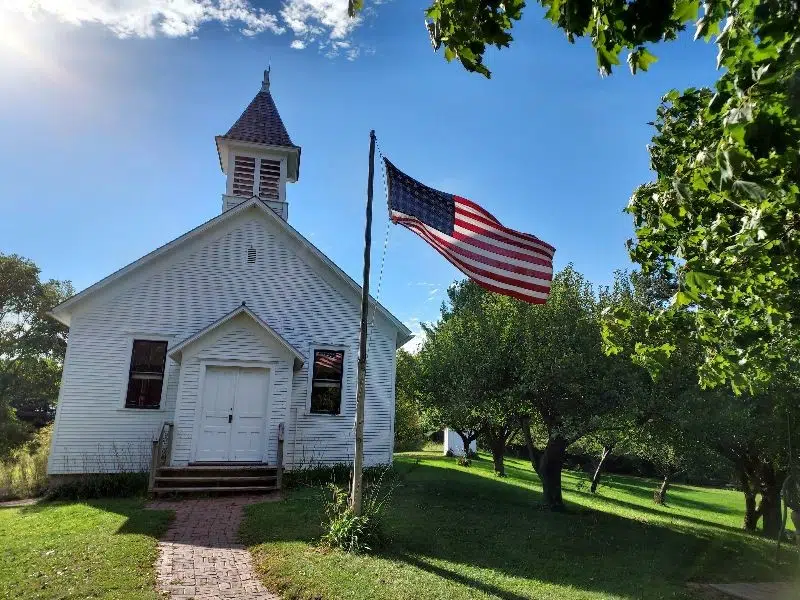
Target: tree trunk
749, 490
550, 465
750, 515
534, 455
769, 509
498, 454
660, 495
599, 469
466, 440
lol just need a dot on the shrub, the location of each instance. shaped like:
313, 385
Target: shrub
101, 485
356, 533
321, 475
24, 473
465, 460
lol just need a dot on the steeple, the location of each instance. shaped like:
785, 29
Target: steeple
258, 155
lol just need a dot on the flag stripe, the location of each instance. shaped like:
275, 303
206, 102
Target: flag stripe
470, 205
470, 267
474, 231
500, 232
503, 286
497, 247
476, 208
479, 259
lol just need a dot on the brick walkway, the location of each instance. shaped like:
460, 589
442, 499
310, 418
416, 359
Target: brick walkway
200, 556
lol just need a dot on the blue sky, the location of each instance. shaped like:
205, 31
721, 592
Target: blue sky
109, 109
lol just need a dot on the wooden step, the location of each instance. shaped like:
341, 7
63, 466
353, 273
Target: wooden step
210, 490
222, 467
180, 479
214, 472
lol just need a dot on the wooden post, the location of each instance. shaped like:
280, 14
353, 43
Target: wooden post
151, 482
279, 471
358, 457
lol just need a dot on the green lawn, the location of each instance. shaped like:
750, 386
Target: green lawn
463, 533
103, 549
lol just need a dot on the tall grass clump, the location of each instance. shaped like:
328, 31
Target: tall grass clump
356, 533
24, 473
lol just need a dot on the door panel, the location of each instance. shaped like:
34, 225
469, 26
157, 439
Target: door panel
234, 408
250, 410
219, 387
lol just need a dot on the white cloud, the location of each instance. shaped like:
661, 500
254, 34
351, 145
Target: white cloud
170, 18
312, 17
321, 22
324, 22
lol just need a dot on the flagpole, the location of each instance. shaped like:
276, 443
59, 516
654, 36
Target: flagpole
358, 457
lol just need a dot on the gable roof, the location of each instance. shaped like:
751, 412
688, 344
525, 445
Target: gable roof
63, 311
176, 352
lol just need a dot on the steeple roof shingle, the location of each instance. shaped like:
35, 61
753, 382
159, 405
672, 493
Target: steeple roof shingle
260, 123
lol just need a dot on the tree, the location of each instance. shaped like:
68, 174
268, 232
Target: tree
750, 430
723, 210
567, 384
467, 368
409, 431
32, 347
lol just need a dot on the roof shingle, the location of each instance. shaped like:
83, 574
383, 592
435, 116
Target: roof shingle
260, 123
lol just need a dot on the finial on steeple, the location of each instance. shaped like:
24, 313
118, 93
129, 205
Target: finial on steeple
265, 83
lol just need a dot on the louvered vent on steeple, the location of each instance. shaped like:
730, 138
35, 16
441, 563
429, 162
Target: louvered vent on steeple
244, 170
258, 156
269, 179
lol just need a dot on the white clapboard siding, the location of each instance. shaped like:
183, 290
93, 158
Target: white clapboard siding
183, 292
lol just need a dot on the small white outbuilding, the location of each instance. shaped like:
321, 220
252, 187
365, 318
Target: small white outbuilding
454, 444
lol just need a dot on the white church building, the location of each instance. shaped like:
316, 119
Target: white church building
237, 330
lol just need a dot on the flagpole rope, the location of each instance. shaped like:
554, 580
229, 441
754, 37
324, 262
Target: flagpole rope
386, 234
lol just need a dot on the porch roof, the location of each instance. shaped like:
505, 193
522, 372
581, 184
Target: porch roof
176, 353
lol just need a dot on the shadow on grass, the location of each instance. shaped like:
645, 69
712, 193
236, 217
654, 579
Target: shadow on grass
642, 491
646, 493
469, 520
665, 514
455, 577
138, 519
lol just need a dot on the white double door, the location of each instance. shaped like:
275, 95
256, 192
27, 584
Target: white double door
233, 414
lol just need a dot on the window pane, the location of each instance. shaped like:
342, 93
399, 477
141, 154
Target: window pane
326, 400
148, 357
328, 364
144, 393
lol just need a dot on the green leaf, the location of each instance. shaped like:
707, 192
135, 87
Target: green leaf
554, 12
640, 59
699, 282
668, 220
686, 10
749, 189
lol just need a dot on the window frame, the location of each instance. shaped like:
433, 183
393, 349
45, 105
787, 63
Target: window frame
145, 337
343, 386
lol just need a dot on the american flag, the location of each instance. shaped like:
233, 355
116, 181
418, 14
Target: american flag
495, 257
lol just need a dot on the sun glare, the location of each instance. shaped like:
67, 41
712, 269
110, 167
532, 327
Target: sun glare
25, 46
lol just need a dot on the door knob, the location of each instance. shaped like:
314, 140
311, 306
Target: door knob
230, 418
